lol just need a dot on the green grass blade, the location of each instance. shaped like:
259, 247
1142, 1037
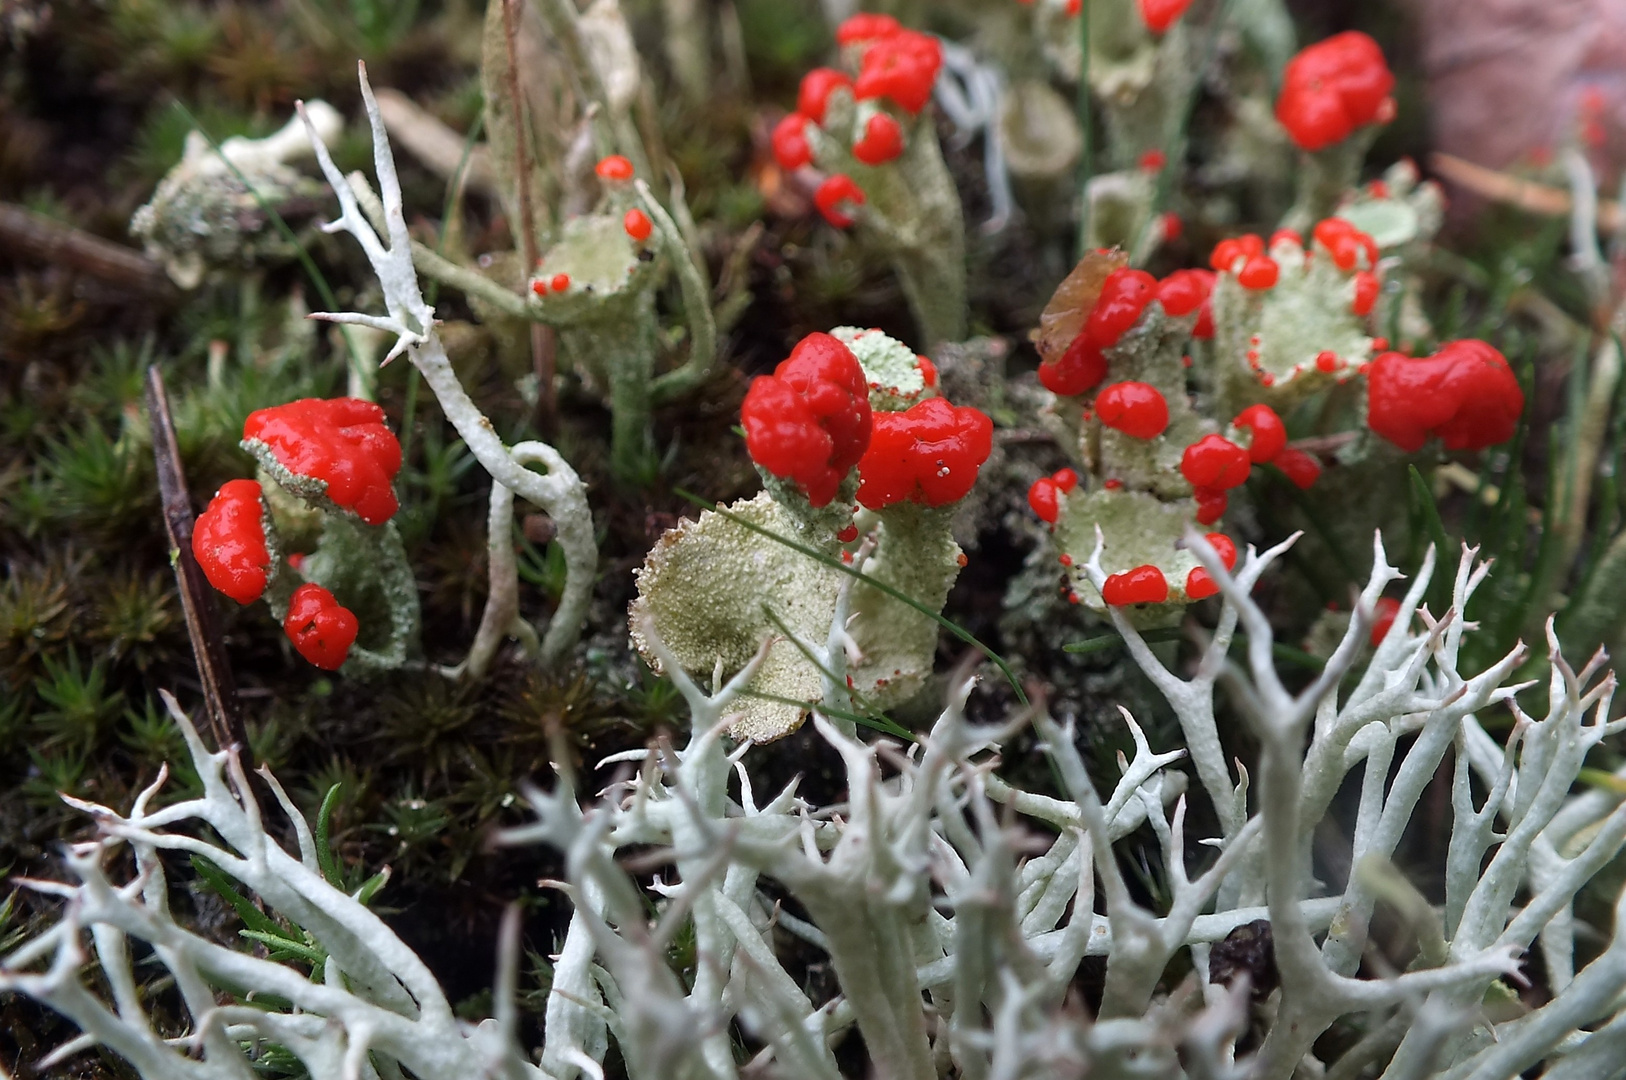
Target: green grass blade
217, 881
879, 723
324, 840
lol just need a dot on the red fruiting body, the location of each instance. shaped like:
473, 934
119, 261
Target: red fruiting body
814, 93
848, 535
1214, 462
1327, 361
1113, 484
1076, 370
1346, 243
1211, 505
1366, 292
1159, 15
866, 27
539, 287
343, 442
1066, 479
1286, 236
882, 141
832, 193
638, 225
1333, 87
1269, 433
903, 67
1124, 295
1184, 291
1153, 160
928, 371
1224, 547
1465, 393
229, 541
1042, 498
560, 283
928, 454
1384, 613
790, 147
614, 168
1135, 408
1171, 225
1142, 585
1227, 252
809, 422
1298, 467
1259, 272
1200, 584
321, 630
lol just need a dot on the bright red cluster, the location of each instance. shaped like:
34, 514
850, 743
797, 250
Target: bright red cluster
790, 145
1199, 582
616, 169
1465, 393
637, 225
928, 454
814, 93
1185, 291
1124, 295
342, 442
1159, 15
836, 190
1135, 408
1226, 253
809, 421
229, 541
1142, 585
1346, 243
320, 627
1384, 613
1299, 467
1333, 87
1269, 434
1045, 492
1213, 465
901, 66
882, 141
866, 26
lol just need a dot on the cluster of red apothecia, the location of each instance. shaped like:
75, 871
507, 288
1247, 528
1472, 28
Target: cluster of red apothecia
343, 443
1465, 394
894, 65
1147, 585
810, 422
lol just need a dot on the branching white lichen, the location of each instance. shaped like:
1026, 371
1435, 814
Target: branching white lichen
954, 908
412, 322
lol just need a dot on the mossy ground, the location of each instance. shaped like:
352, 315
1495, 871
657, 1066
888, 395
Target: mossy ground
90, 627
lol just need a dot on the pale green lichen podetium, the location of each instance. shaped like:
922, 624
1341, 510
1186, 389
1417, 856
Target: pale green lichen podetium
572, 223
1143, 516
715, 589
1142, 84
365, 564
911, 213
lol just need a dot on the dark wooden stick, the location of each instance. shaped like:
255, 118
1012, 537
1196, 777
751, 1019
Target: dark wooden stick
197, 598
39, 237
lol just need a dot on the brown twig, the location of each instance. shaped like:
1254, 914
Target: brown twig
22, 230
1524, 194
197, 599
543, 359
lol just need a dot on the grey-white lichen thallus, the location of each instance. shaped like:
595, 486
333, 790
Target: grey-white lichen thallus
953, 933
